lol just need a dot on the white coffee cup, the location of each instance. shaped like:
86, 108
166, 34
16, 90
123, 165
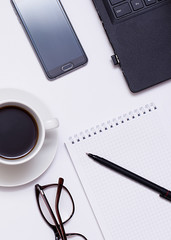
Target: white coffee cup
42, 127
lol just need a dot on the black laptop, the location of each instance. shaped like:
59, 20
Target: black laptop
140, 34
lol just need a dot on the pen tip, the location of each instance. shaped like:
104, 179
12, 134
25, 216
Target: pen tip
90, 155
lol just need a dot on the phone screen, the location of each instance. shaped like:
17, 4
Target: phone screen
51, 34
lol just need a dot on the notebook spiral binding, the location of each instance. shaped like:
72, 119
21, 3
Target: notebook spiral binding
148, 108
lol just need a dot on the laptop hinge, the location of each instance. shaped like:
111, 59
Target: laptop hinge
115, 59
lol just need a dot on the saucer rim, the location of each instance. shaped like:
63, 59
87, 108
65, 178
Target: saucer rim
17, 93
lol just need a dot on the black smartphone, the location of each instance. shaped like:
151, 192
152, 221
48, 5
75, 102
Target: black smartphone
51, 34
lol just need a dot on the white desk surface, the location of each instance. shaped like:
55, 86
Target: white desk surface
81, 99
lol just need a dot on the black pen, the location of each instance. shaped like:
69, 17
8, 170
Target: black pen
162, 191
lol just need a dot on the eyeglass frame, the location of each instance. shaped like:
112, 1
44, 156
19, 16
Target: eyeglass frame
58, 227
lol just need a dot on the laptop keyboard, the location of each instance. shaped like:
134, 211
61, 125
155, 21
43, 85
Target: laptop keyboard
122, 8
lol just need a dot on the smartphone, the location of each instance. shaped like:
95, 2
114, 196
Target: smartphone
51, 34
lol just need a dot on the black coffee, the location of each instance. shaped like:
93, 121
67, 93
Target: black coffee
18, 132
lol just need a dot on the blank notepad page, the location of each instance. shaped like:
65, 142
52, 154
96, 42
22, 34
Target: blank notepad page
139, 141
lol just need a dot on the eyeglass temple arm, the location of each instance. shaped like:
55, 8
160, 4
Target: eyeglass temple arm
58, 194
58, 232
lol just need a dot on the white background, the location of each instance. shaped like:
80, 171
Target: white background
80, 100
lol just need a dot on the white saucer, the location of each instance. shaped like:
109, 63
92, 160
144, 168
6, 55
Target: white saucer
11, 176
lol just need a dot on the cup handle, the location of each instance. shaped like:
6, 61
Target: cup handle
51, 124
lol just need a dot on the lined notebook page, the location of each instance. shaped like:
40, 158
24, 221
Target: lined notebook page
139, 141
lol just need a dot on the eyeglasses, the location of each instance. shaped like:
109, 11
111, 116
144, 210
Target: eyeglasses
57, 207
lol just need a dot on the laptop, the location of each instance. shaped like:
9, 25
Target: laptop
140, 34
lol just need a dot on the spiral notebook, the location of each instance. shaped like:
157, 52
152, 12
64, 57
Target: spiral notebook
139, 141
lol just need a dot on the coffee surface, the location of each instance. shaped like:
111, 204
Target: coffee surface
18, 132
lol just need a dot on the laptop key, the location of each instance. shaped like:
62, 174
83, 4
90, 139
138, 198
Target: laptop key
122, 10
149, 2
113, 2
137, 4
